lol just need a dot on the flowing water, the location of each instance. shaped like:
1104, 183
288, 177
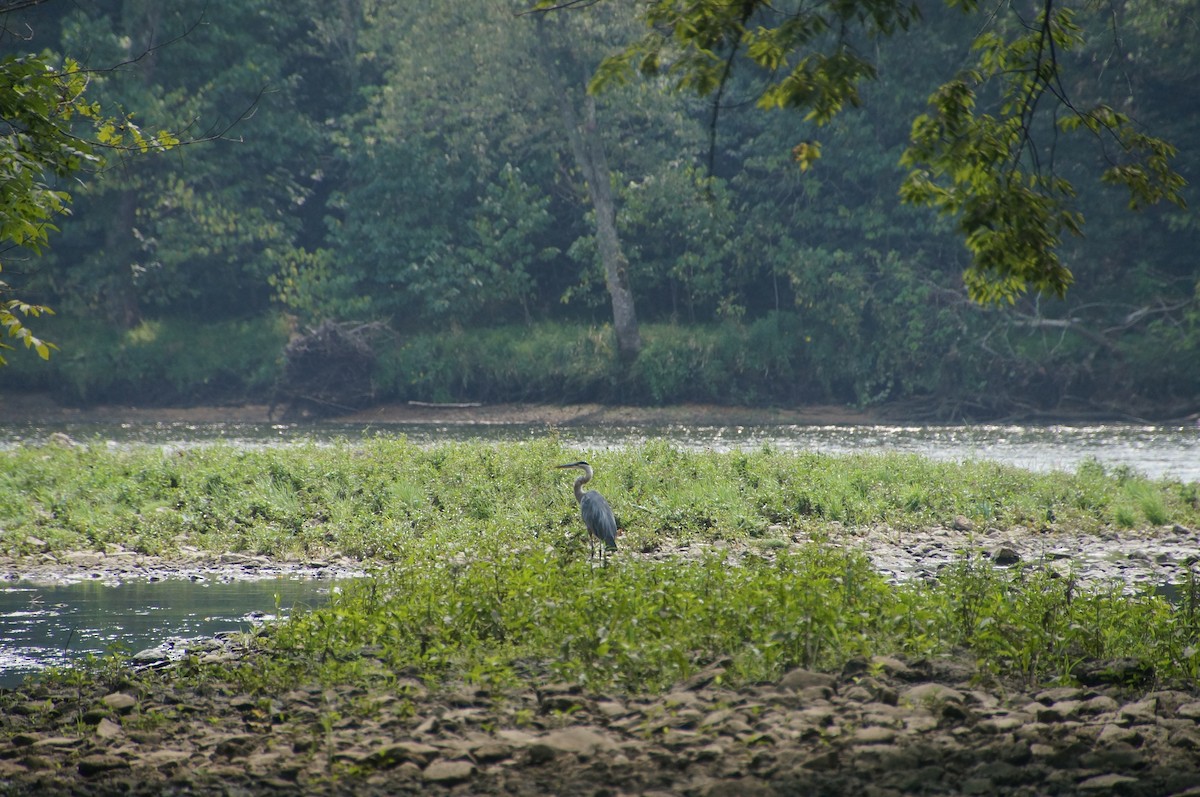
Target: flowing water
1158, 451
52, 626
44, 626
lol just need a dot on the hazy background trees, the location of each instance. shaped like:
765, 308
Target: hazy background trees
431, 165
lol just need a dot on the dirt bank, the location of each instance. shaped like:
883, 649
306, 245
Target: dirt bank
41, 408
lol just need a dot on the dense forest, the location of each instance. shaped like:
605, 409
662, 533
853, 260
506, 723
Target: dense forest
422, 200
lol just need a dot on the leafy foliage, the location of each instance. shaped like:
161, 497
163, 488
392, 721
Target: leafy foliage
409, 164
41, 104
1012, 208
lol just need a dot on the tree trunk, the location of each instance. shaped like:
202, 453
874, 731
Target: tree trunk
587, 148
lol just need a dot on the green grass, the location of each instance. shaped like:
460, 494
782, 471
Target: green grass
480, 565
373, 500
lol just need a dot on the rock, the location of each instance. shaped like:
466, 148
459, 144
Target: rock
562, 704
893, 667
1050, 696
396, 754
237, 746
1059, 712
107, 729
1117, 756
1143, 711
1004, 555
581, 741
962, 523
1108, 784
741, 787
491, 752
100, 762
58, 741
1190, 711
611, 709
448, 773
874, 735
539, 754
1188, 740
1100, 704
1115, 734
164, 758
802, 679
822, 762
119, 702
930, 695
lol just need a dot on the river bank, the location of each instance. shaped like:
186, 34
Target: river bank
42, 408
879, 727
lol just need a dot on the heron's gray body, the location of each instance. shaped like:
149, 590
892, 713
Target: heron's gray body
597, 514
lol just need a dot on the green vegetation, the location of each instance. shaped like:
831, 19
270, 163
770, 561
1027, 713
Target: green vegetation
506, 612
479, 570
378, 499
780, 359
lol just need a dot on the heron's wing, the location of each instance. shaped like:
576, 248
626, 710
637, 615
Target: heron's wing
598, 517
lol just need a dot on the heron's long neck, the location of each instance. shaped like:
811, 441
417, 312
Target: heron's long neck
582, 480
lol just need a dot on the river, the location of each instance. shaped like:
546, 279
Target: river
1157, 451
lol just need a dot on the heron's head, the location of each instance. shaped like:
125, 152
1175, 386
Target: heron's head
580, 464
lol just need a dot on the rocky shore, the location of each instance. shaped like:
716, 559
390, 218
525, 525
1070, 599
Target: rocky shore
880, 727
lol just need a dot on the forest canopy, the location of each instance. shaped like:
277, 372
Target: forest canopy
443, 170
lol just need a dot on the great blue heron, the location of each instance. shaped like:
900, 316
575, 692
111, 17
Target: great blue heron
597, 514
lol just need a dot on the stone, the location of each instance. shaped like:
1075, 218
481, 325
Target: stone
581, 741
236, 746
164, 758
822, 762
491, 752
1005, 723
1051, 696
1108, 784
539, 754
448, 773
611, 709
874, 735
741, 787
100, 762
107, 729
1100, 704
394, 754
1188, 740
798, 679
1004, 555
1189, 711
1143, 711
119, 702
930, 694
1116, 756
892, 666
1059, 712
1113, 734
